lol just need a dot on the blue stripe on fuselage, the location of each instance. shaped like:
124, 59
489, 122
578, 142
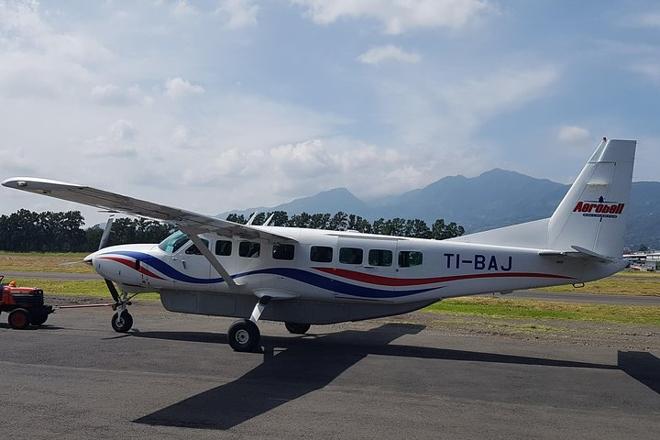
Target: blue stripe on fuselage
303, 276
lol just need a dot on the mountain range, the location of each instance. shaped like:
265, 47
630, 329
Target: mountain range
493, 199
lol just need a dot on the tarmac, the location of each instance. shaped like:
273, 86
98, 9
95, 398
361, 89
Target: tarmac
174, 376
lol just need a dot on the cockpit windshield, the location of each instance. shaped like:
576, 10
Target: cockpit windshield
174, 242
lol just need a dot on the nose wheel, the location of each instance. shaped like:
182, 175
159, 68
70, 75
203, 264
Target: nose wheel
122, 321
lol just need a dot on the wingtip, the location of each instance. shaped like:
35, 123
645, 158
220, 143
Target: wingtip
14, 182
24, 182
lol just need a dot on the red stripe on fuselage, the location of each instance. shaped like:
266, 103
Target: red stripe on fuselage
131, 264
398, 282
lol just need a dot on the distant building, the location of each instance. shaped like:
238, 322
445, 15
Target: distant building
644, 260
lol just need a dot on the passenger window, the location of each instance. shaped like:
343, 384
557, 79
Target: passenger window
380, 257
283, 251
322, 254
350, 256
192, 250
410, 258
223, 248
249, 249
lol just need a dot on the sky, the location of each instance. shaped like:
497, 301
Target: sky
227, 104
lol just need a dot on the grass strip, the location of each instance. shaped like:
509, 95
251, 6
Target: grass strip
79, 288
530, 309
43, 262
619, 284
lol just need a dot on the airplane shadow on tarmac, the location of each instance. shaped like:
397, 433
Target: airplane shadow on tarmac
309, 363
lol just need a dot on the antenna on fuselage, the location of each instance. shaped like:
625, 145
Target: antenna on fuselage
268, 220
251, 219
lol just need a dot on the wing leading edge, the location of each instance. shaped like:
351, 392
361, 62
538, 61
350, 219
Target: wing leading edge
191, 221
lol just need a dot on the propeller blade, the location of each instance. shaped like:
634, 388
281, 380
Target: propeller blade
106, 233
112, 289
71, 263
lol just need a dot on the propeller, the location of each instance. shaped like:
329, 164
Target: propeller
105, 237
106, 233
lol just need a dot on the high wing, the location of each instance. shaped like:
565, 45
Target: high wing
188, 221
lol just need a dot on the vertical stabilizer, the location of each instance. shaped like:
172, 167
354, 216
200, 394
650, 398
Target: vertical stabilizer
592, 215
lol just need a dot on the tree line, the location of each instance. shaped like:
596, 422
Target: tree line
342, 221
28, 231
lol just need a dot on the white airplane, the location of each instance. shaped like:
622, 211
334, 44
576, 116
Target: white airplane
306, 276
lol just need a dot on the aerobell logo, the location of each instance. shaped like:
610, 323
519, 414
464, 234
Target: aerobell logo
599, 208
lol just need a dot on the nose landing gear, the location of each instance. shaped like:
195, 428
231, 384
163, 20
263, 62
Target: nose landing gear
122, 321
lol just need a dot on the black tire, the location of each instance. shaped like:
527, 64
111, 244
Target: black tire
244, 335
38, 317
124, 324
297, 329
19, 319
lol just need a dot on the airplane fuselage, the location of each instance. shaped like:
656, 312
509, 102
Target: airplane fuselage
336, 276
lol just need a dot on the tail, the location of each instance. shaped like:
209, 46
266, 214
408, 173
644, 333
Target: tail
592, 215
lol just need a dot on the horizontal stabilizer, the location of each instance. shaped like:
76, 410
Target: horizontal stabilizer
579, 252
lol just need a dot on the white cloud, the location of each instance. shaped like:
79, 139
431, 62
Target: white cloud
646, 20
451, 111
14, 162
183, 9
377, 55
573, 135
176, 88
315, 165
119, 142
398, 16
38, 61
111, 94
238, 13
651, 70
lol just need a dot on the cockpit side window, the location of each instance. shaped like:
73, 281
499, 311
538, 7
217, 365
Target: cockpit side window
192, 250
174, 242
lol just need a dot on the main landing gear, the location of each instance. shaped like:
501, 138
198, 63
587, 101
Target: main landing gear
244, 334
297, 329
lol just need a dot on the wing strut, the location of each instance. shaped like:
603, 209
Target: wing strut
209, 256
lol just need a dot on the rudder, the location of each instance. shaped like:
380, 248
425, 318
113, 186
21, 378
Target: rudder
592, 215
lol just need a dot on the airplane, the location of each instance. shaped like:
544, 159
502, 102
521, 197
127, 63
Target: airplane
305, 277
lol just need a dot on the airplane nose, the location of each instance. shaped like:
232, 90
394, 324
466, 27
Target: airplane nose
88, 259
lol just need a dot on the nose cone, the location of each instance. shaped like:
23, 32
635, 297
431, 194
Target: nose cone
89, 259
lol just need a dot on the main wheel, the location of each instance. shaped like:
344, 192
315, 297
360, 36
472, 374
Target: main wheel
19, 319
244, 335
38, 317
122, 322
297, 329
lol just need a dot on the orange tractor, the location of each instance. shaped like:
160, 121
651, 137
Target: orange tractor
25, 305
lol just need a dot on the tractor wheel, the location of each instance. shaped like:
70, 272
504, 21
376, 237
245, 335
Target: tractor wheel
38, 317
19, 319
